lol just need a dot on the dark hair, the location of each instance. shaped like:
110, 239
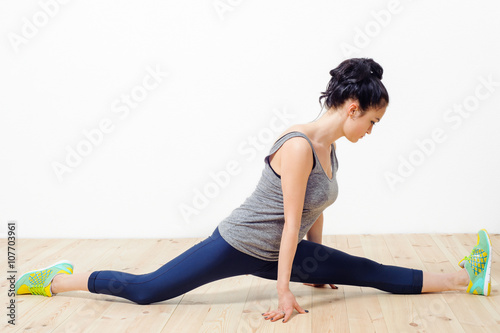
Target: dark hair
357, 78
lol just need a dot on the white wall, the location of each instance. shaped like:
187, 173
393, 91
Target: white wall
229, 72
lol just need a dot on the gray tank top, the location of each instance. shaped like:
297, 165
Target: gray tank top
255, 227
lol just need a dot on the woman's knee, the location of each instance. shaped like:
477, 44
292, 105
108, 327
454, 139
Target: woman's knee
142, 299
145, 296
146, 293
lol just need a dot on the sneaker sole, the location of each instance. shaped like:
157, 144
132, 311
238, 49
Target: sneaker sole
487, 280
41, 269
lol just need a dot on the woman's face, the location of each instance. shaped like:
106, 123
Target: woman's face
357, 126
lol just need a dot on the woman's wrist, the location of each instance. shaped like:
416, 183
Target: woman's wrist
282, 288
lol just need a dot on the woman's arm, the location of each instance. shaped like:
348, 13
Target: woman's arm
296, 164
315, 234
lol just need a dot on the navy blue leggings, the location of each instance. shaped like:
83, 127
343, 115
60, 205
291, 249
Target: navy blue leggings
214, 259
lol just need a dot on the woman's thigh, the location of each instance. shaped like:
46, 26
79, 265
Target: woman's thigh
313, 263
317, 263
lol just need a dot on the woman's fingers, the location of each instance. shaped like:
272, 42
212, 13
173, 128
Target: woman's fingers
285, 315
288, 314
321, 285
275, 315
298, 308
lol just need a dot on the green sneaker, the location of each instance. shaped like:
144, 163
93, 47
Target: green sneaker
38, 282
478, 265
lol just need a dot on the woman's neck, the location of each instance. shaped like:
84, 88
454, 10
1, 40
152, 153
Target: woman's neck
328, 128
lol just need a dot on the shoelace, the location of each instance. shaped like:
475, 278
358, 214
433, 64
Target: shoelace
477, 259
37, 289
37, 282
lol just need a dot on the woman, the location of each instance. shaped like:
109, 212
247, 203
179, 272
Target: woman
264, 236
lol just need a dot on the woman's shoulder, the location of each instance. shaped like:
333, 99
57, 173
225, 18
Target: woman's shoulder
291, 142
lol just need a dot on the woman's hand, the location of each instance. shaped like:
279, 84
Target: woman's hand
321, 285
286, 304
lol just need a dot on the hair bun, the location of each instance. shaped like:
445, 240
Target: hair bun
357, 70
358, 78
375, 69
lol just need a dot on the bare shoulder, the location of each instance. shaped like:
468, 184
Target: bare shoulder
296, 157
295, 151
297, 146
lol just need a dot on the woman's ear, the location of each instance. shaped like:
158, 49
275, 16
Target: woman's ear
351, 109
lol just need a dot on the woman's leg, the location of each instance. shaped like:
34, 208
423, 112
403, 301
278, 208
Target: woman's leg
207, 261
432, 282
319, 264
66, 282
435, 282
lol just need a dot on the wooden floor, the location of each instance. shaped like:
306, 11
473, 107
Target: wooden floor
236, 304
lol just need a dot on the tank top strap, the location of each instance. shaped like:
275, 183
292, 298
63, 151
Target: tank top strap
278, 143
335, 162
